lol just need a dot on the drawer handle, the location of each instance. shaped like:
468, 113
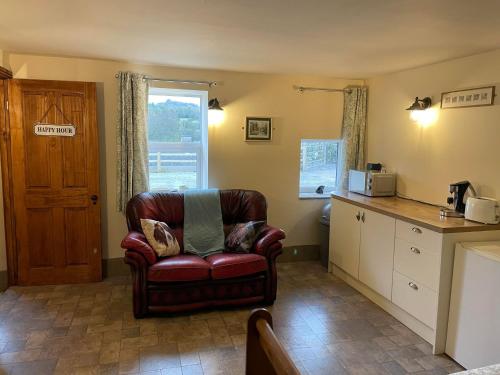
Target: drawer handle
414, 250
412, 285
358, 216
416, 230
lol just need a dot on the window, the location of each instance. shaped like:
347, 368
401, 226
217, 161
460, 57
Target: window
318, 166
177, 137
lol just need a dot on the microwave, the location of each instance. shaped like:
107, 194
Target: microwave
372, 183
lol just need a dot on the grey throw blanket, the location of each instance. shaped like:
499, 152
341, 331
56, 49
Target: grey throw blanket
203, 229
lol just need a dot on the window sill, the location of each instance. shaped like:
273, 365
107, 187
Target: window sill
314, 196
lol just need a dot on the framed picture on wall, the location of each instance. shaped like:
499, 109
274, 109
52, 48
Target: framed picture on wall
258, 129
468, 98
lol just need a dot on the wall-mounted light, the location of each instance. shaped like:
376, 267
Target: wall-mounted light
421, 111
418, 106
215, 112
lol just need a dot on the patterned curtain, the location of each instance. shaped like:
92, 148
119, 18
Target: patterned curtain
132, 137
353, 133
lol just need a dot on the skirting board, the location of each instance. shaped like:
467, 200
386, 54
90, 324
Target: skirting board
415, 325
116, 266
3, 280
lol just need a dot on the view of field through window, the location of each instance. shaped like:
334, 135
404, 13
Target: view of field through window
318, 164
175, 142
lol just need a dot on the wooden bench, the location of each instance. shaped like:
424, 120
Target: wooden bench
265, 354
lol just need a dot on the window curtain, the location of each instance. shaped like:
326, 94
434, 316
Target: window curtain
132, 137
353, 132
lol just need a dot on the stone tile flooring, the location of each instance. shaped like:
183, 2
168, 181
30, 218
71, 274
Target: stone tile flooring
326, 325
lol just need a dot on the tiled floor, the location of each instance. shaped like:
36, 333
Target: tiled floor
327, 327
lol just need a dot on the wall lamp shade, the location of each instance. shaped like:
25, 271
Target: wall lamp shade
215, 112
213, 105
420, 104
421, 112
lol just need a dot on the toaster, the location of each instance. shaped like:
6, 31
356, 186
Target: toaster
483, 210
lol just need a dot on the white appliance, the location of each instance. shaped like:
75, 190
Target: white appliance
483, 210
473, 338
371, 183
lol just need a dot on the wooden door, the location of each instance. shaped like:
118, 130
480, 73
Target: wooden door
376, 251
54, 182
344, 236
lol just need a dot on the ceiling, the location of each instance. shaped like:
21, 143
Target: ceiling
342, 38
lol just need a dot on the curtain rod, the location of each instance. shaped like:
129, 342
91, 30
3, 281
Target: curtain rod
301, 89
185, 81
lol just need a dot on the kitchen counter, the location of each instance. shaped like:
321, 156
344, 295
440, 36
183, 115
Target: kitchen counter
422, 214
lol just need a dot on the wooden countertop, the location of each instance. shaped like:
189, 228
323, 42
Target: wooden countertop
414, 212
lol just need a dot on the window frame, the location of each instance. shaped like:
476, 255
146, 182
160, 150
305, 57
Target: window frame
202, 175
310, 191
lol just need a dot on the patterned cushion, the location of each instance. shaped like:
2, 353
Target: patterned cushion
243, 236
161, 237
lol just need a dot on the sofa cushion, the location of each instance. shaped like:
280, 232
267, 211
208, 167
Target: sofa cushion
161, 237
179, 268
227, 266
243, 236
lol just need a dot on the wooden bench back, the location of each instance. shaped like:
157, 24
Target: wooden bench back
265, 354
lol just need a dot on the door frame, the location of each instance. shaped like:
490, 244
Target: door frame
8, 205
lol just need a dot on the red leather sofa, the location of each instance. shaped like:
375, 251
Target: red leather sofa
187, 282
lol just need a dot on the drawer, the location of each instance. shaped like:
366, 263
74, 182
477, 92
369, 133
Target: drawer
415, 298
418, 235
418, 263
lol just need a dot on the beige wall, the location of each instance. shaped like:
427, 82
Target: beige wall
272, 168
461, 144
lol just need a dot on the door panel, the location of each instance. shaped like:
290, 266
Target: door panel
376, 252
36, 149
344, 236
76, 240
74, 174
53, 177
39, 224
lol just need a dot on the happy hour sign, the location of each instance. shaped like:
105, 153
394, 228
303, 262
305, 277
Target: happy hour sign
55, 130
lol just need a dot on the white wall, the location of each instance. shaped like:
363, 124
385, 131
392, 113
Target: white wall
462, 144
272, 168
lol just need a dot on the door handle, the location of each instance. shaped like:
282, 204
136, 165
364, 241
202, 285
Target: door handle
412, 285
94, 198
358, 216
363, 217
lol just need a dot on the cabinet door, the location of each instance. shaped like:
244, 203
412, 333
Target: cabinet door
344, 236
376, 252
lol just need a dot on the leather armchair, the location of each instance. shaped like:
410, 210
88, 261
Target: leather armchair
186, 282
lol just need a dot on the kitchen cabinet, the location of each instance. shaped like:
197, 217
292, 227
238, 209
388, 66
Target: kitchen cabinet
345, 236
399, 254
376, 251
362, 244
